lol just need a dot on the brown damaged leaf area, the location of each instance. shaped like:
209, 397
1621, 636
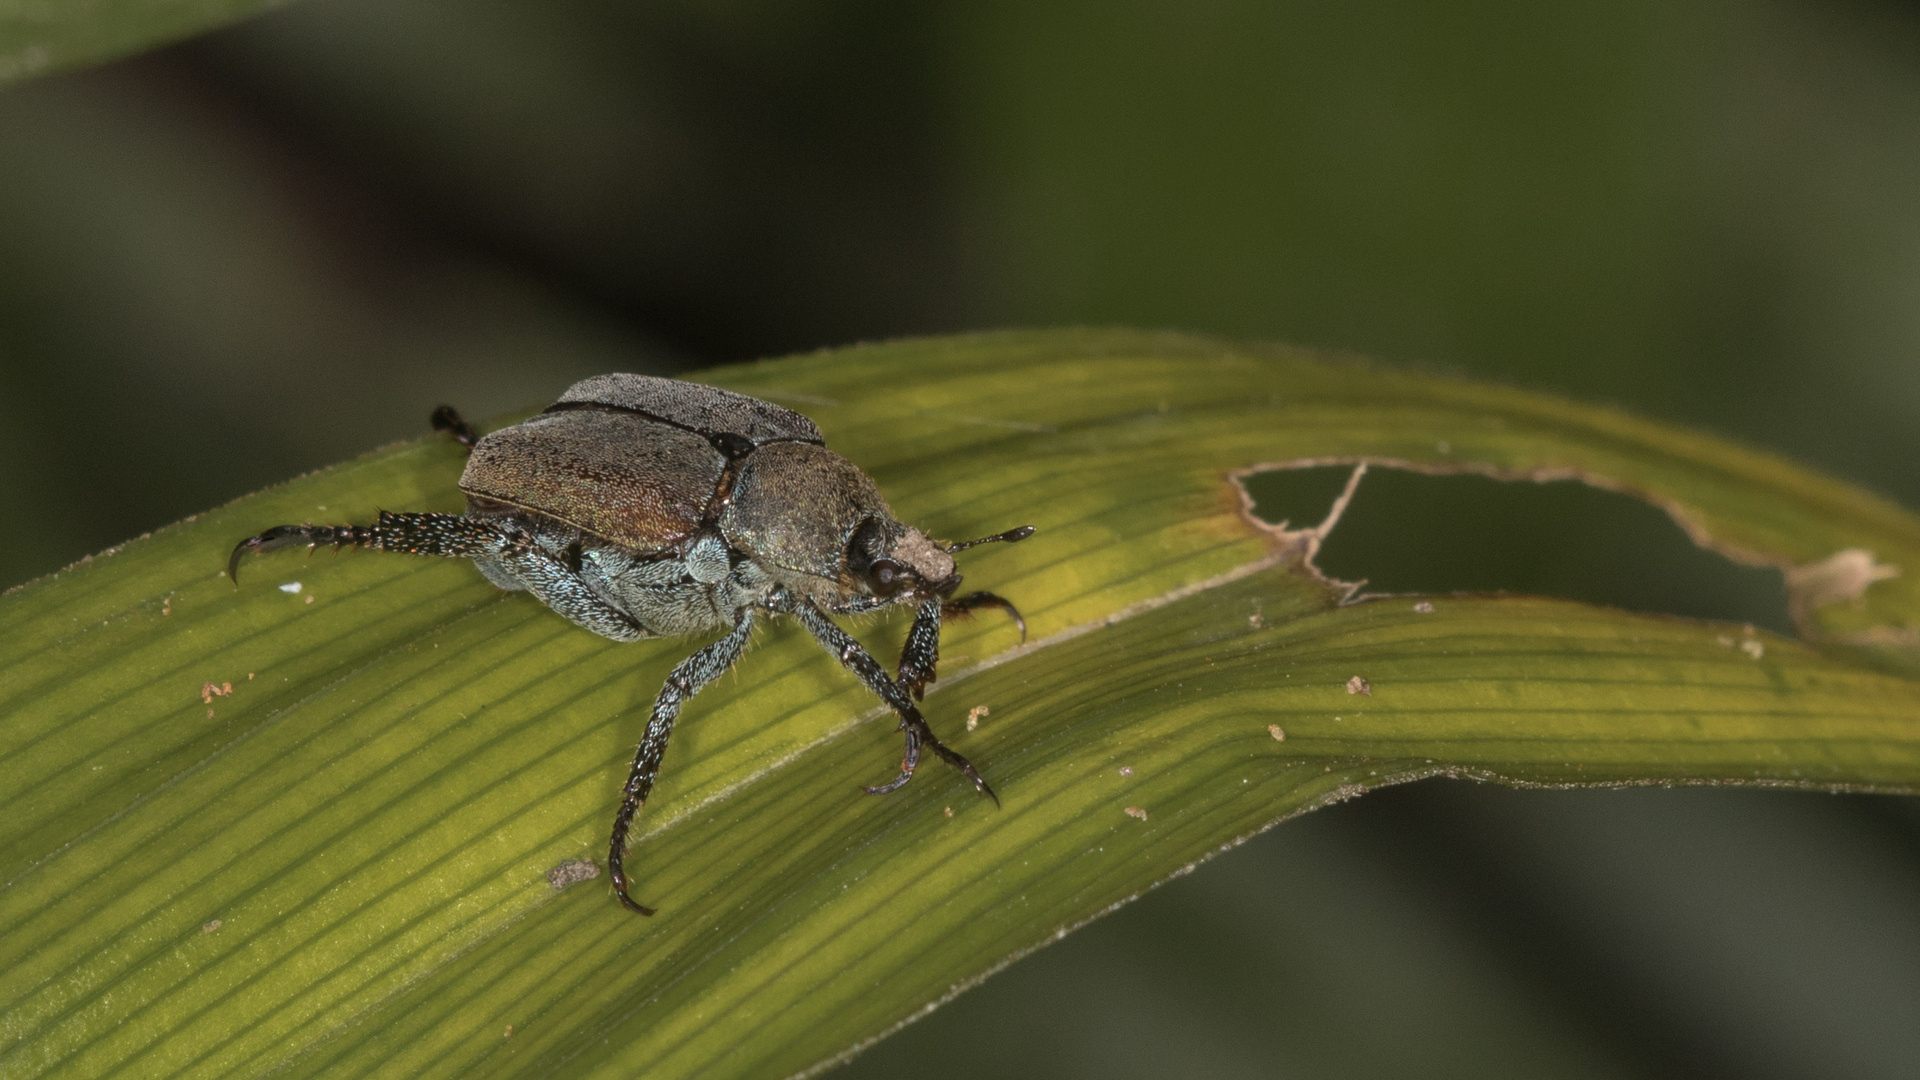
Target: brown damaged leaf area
1841, 578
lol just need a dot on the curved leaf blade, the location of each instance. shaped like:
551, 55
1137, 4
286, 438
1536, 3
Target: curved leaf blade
370, 817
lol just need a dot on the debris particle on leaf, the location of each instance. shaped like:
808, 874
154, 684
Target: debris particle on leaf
1424, 607
1841, 576
1136, 812
572, 872
1358, 685
1275, 731
974, 715
290, 588
1754, 647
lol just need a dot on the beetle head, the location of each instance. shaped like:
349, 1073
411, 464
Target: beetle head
898, 562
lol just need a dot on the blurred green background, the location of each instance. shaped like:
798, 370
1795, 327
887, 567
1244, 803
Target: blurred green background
268, 249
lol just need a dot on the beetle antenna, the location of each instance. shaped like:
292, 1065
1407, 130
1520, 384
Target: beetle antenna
1010, 536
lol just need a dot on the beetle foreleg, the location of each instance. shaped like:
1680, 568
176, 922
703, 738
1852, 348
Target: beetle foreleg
964, 605
414, 534
909, 760
687, 679
869, 671
920, 656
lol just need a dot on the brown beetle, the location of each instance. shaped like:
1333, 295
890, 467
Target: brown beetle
642, 507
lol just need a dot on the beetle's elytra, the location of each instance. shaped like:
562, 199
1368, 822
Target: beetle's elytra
642, 507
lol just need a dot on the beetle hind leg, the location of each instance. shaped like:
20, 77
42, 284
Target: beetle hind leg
413, 534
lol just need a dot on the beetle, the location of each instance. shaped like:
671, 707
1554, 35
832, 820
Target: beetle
642, 507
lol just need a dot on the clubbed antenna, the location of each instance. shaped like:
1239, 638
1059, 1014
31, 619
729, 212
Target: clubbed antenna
1010, 536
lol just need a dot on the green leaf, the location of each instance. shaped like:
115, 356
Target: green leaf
342, 864
42, 36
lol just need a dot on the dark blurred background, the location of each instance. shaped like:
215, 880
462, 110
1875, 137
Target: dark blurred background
274, 247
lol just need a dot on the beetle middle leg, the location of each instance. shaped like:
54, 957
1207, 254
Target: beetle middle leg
912, 725
556, 582
687, 679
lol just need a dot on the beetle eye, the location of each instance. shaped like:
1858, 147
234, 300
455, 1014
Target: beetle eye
885, 577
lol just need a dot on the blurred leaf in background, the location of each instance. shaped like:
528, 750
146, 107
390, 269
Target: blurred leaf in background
275, 246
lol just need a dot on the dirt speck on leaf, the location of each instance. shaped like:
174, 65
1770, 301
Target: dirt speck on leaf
1841, 576
572, 872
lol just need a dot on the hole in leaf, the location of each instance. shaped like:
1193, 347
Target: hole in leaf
1414, 533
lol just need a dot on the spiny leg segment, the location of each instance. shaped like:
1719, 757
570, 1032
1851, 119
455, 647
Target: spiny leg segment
869, 671
921, 653
413, 534
687, 679
920, 657
450, 535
